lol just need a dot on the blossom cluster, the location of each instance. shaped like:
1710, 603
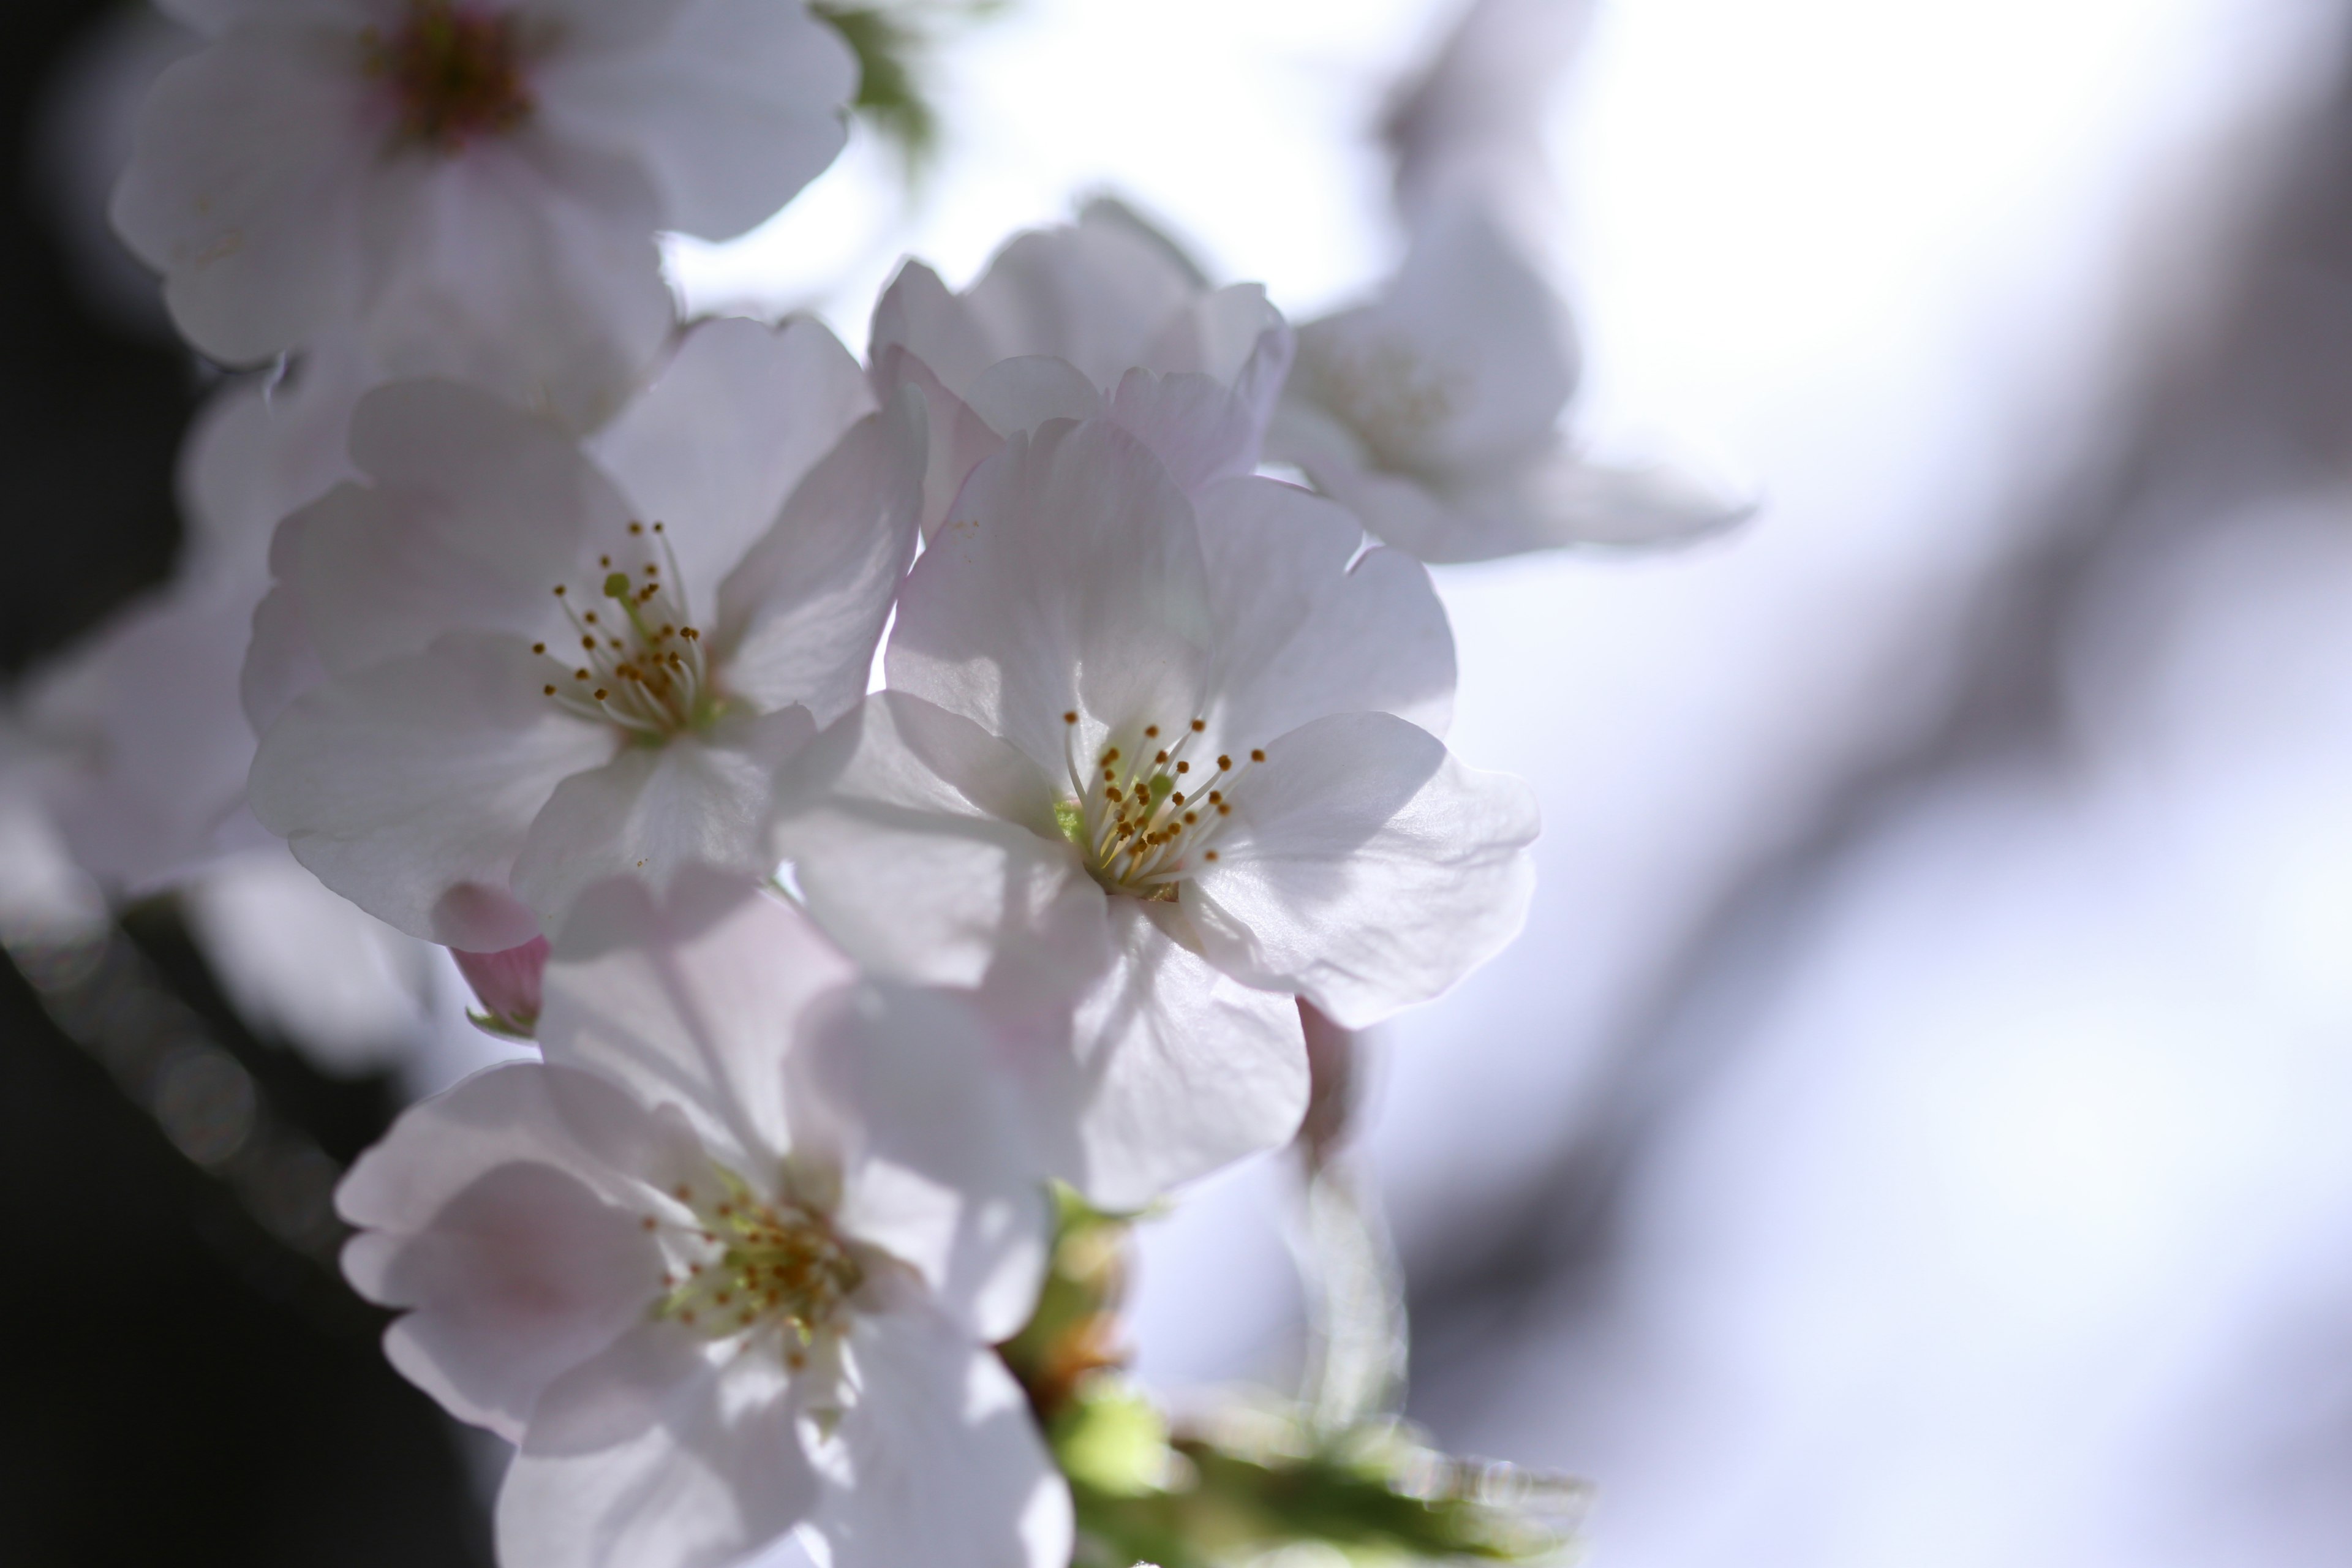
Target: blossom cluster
881, 789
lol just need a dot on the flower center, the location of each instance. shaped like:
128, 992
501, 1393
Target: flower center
455, 72
1387, 395
641, 664
1145, 816
748, 1263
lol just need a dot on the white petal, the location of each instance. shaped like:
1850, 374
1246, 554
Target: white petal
655, 1454
475, 511
409, 788
1564, 499
737, 418
1365, 868
492, 1214
923, 843
691, 1000
800, 617
1484, 323
1024, 392
918, 314
527, 264
1193, 424
654, 813
1068, 576
1309, 622
1177, 1069
735, 106
250, 161
264, 444
959, 441
303, 964
519, 1278
921, 1117
1093, 294
150, 705
937, 1461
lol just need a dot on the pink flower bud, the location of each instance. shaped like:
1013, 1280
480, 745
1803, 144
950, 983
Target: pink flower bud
507, 984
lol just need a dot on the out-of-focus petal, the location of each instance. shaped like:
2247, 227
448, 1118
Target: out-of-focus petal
734, 105
250, 161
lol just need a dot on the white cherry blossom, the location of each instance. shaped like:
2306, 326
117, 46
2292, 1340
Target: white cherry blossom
1102, 316
1432, 411
473, 185
1182, 752
727, 1264
501, 669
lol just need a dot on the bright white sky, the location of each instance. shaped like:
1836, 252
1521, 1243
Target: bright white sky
1875, 258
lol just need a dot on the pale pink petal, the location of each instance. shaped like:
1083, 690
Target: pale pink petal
1309, 622
655, 812
526, 266
1067, 577
691, 1000
735, 106
1365, 868
409, 788
800, 617
1177, 1069
735, 420
251, 160
519, 1278
657, 1453
921, 843
936, 1459
1024, 392
475, 513
905, 1090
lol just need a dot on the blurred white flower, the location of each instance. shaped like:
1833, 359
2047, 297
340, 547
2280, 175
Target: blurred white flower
1470, 124
729, 1263
1103, 317
146, 709
1181, 750
475, 185
1433, 412
501, 670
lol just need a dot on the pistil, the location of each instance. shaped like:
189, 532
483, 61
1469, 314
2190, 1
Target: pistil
641, 664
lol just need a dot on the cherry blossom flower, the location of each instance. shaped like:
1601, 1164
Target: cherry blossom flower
1432, 411
1182, 750
727, 1264
501, 669
475, 184
1103, 317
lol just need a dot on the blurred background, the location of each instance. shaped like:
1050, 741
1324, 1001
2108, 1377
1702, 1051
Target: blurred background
1912, 1127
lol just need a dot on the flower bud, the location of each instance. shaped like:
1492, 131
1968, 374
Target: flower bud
508, 985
